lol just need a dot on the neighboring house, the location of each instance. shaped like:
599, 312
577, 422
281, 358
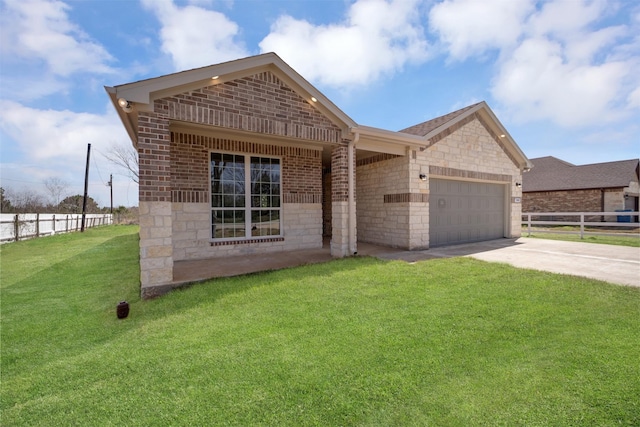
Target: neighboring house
247, 157
554, 185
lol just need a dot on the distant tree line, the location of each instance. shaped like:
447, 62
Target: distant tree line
57, 199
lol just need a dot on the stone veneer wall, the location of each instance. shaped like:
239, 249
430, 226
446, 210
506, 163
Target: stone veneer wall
393, 203
470, 151
383, 215
174, 188
191, 211
156, 250
302, 229
340, 224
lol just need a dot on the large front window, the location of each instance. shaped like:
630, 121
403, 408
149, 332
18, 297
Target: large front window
237, 213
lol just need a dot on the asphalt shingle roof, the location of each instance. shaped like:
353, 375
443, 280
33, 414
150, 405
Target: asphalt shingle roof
424, 128
552, 174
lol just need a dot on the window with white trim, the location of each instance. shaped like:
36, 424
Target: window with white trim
240, 214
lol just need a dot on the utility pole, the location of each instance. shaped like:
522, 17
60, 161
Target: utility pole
86, 188
110, 184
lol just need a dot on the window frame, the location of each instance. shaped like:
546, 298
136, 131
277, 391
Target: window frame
247, 208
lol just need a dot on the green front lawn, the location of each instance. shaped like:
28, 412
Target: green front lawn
352, 342
631, 241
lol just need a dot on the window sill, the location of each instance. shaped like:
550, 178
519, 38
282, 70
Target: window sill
246, 241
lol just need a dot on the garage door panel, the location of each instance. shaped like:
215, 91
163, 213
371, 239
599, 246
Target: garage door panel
462, 211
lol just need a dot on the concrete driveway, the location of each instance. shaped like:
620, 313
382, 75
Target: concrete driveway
613, 264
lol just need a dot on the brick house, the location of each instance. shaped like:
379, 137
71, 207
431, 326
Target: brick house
554, 185
247, 157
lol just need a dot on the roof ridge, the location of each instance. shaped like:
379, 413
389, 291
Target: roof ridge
424, 128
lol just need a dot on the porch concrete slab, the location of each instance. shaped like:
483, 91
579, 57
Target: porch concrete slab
613, 264
203, 269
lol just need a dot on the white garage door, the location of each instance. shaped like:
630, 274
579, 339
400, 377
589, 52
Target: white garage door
462, 211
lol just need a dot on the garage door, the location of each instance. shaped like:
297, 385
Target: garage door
461, 211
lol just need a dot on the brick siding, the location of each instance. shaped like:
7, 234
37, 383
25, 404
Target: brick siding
261, 103
153, 157
190, 180
589, 200
562, 201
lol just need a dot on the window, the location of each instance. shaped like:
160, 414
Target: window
238, 213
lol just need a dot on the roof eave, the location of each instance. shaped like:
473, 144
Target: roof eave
144, 92
510, 144
128, 120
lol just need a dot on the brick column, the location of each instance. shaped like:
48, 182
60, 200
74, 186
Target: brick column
340, 201
156, 248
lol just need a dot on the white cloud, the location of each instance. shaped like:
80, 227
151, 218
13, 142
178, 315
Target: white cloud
470, 27
53, 143
194, 36
41, 30
634, 98
537, 83
58, 135
566, 18
377, 38
557, 62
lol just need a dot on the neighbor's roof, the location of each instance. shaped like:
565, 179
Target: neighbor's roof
552, 174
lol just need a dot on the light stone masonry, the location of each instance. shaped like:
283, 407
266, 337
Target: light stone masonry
302, 224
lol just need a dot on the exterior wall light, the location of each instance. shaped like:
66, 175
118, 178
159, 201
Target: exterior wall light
314, 99
423, 177
125, 105
518, 184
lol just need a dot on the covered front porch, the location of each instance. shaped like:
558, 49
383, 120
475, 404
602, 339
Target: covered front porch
191, 271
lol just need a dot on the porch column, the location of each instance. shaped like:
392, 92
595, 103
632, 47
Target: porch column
343, 223
156, 248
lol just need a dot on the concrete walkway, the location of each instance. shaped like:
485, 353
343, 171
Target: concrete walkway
613, 264
610, 263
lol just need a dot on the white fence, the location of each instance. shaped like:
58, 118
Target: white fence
626, 223
14, 227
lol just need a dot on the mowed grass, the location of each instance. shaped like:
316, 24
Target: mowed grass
357, 341
570, 236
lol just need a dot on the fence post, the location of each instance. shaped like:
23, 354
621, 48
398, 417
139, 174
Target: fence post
582, 226
16, 227
37, 225
54, 224
529, 224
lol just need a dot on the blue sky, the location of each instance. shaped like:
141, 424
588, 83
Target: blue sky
563, 76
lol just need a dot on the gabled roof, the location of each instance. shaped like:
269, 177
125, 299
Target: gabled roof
141, 96
550, 164
434, 127
424, 128
142, 93
552, 174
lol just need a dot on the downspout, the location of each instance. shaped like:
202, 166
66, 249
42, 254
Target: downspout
351, 198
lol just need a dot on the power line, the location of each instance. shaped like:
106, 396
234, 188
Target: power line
97, 169
19, 180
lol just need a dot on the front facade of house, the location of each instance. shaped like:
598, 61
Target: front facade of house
246, 157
